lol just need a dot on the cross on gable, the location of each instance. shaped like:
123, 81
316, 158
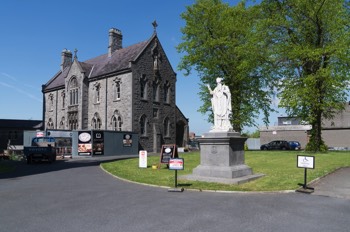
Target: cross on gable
155, 25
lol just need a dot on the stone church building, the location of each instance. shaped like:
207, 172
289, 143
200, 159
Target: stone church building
127, 89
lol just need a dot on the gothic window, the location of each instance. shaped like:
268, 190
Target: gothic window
166, 92
143, 87
73, 92
166, 127
155, 113
143, 125
73, 120
63, 95
97, 92
155, 91
117, 89
50, 124
50, 98
96, 122
117, 121
62, 123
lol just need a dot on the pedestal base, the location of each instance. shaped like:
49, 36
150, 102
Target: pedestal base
222, 159
234, 171
238, 180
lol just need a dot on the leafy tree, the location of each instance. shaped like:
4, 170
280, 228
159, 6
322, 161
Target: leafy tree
255, 134
309, 42
218, 41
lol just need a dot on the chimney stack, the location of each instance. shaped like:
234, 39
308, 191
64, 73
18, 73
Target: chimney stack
66, 59
115, 41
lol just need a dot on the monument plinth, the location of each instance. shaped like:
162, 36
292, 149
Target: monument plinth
222, 159
222, 149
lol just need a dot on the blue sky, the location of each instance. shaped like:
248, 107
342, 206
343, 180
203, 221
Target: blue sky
33, 34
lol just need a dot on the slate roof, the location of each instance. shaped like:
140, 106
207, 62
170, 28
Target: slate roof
20, 123
102, 65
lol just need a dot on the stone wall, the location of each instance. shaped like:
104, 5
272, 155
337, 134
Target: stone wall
289, 133
144, 67
152, 65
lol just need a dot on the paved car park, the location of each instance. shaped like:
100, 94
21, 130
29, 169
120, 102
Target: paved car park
77, 195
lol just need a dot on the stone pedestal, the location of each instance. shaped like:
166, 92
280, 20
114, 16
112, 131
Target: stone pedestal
222, 159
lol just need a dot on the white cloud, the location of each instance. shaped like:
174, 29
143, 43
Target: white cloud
9, 76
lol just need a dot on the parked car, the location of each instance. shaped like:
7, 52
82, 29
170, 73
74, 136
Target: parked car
276, 145
294, 145
41, 149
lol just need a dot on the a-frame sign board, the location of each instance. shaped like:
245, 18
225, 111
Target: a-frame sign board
167, 152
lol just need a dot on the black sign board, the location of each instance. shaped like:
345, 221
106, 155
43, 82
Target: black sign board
98, 143
168, 151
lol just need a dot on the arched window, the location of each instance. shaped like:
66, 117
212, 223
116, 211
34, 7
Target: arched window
166, 96
73, 120
50, 124
96, 122
143, 125
166, 125
155, 92
73, 92
117, 89
117, 121
143, 87
97, 91
63, 95
62, 123
51, 102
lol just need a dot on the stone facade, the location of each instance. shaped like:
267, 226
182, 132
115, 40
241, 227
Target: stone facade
127, 89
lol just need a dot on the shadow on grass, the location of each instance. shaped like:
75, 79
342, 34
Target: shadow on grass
184, 185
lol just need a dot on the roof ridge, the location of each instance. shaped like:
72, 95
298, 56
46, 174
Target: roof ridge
103, 64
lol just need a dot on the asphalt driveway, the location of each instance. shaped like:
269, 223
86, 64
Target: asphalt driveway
336, 184
77, 195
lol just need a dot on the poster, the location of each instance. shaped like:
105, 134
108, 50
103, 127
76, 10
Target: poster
168, 152
84, 143
142, 159
176, 164
127, 140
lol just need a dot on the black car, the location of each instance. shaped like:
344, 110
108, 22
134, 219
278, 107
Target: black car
276, 145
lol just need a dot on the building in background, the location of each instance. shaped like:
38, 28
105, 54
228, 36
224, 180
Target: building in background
335, 132
11, 132
127, 89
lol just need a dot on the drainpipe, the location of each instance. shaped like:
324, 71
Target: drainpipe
106, 104
56, 112
44, 106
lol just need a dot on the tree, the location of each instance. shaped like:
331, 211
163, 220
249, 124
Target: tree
255, 134
309, 43
218, 42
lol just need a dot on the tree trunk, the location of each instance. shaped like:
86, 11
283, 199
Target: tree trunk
316, 143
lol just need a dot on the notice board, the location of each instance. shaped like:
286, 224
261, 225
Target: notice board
167, 152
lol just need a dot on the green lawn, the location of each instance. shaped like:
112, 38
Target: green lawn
5, 167
279, 167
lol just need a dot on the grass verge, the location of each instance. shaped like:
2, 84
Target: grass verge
279, 167
5, 167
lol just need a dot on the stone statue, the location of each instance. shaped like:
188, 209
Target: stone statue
221, 105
